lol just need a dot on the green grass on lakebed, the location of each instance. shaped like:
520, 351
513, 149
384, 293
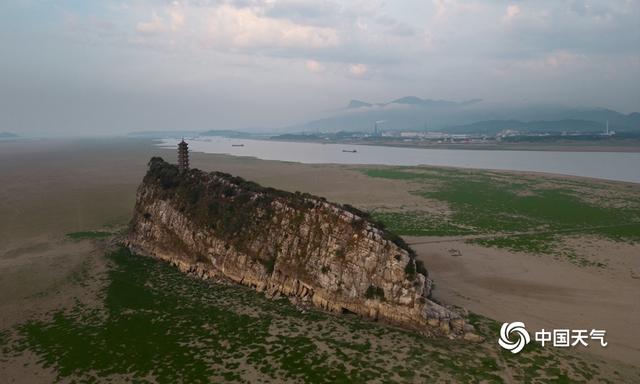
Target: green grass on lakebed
155, 324
524, 213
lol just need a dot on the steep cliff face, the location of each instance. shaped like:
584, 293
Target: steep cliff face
216, 225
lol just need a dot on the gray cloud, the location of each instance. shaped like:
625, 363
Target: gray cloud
122, 65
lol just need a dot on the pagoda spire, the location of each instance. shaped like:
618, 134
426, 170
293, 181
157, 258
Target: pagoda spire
183, 156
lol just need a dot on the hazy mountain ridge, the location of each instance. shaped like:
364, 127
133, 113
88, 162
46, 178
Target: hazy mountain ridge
162, 134
471, 116
225, 133
8, 135
410, 100
358, 104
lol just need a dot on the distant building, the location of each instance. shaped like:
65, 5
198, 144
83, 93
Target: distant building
424, 135
183, 156
377, 132
608, 132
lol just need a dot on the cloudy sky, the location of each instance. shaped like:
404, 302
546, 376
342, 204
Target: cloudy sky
81, 66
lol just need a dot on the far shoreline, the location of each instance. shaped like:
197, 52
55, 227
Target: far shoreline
557, 147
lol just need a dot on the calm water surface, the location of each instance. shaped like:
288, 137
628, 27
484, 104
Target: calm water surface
603, 165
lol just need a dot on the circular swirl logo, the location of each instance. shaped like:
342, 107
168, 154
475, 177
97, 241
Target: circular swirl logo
519, 330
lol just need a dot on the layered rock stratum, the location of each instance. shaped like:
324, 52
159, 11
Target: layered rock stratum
333, 256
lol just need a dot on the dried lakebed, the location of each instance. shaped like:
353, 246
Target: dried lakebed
152, 323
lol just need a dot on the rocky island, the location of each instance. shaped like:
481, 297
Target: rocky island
332, 256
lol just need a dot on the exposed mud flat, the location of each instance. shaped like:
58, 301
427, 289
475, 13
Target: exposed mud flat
50, 189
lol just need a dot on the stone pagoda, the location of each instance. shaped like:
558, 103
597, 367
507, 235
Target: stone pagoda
183, 156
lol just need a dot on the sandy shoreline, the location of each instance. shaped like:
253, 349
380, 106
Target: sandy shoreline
542, 293
50, 188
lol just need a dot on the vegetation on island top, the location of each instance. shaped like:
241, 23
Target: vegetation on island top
511, 211
153, 323
231, 208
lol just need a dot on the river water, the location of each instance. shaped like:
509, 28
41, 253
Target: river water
621, 166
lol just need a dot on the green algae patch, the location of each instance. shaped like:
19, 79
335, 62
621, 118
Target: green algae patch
416, 223
520, 213
156, 324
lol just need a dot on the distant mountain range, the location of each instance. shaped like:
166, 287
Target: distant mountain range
471, 116
413, 101
412, 113
225, 133
163, 134
185, 134
8, 135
